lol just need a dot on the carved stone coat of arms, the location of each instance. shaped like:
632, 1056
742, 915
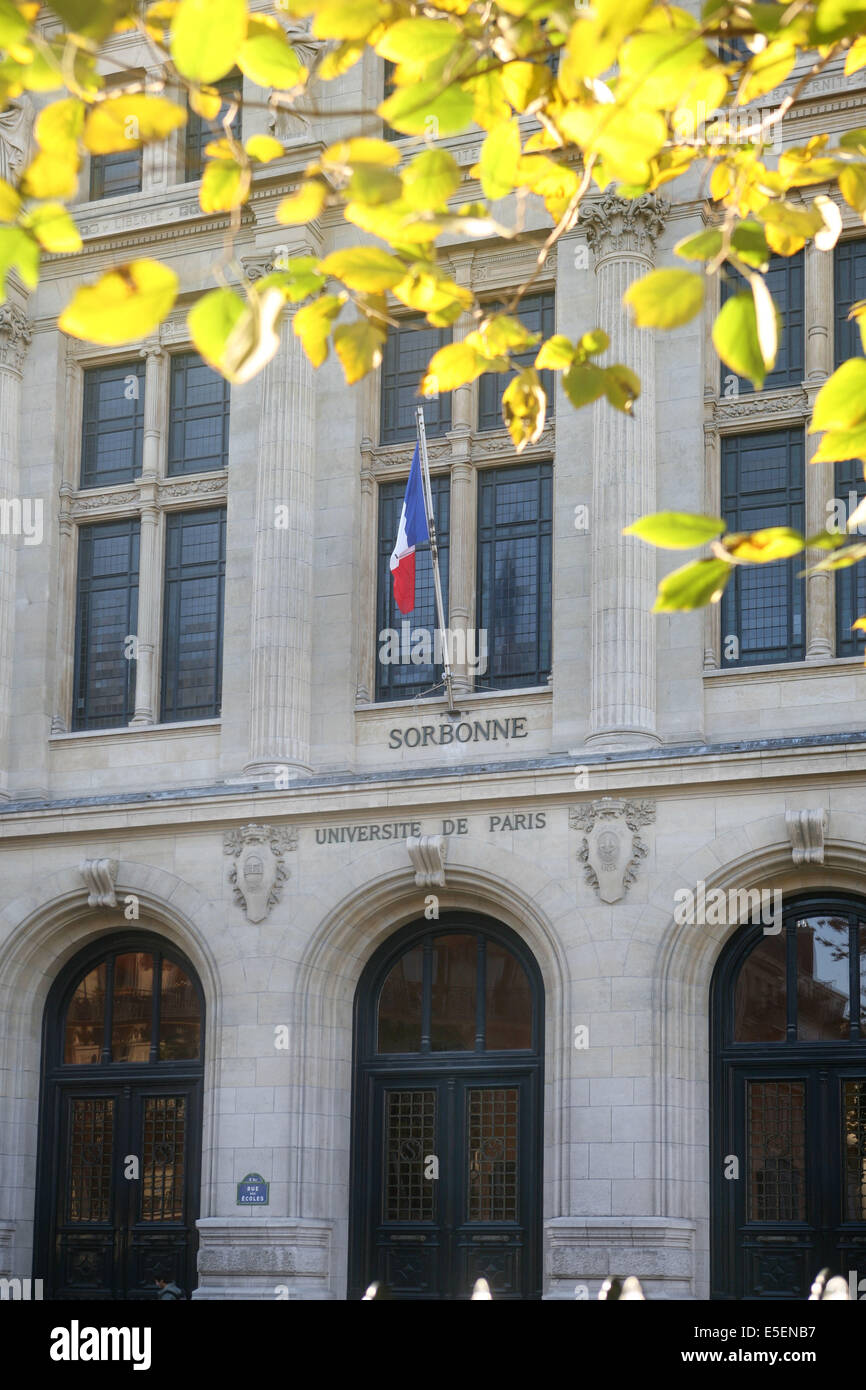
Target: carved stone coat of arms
259, 872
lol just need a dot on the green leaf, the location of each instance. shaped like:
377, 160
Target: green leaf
750, 243
841, 402
431, 179
14, 28
852, 186
206, 37
839, 445
125, 304
336, 19
703, 246
676, 530
372, 184
595, 340
312, 325
424, 108
692, 586
224, 186
366, 268
583, 383
253, 341
500, 154
417, 40
735, 337
53, 228
93, 19
303, 205
359, 348
850, 555
621, 387
297, 278
211, 320
766, 320
523, 408
665, 298
426, 289
766, 70
270, 61
18, 250
10, 202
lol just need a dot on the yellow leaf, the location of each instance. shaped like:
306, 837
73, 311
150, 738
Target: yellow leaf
453, 365
264, 148
361, 150
312, 324
254, 340
54, 229
523, 408
206, 37
270, 61
366, 268
125, 123
10, 203
51, 175
524, 84
211, 320
206, 102
304, 205
125, 304
359, 348
59, 124
224, 186
855, 58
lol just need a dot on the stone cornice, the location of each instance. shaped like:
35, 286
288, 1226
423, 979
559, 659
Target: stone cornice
382, 459
757, 409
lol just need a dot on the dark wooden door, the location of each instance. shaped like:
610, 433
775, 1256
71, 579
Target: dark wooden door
452, 1184
126, 1190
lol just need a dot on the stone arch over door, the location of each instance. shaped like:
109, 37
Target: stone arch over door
40, 933
327, 983
757, 855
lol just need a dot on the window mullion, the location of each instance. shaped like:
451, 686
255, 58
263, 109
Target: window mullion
149, 608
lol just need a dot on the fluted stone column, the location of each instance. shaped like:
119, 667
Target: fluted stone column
461, 568
15, 336
281, 645
820, 477
149, 569
622, 235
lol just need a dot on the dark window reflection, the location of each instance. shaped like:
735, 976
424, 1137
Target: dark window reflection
823, 1008
759, 1007
508, 1001
179, 1016
400, 1005
132, 1018
85, 1019
454, 993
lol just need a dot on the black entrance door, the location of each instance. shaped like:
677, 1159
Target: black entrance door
120, 1141
790, 1105
446, 1152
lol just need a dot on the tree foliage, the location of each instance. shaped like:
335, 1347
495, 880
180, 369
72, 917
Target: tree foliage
571, 99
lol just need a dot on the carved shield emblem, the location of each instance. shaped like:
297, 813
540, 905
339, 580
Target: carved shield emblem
609, 853
259, 870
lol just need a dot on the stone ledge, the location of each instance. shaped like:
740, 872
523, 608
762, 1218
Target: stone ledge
265, 1259
589, 1249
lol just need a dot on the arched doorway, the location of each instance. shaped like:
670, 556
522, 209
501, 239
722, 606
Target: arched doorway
788, 1117
120, 1136
447, 1130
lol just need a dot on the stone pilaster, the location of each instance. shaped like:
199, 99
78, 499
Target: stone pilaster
283, 566
712, 613
15, 336
149, 567
461, 583
622, 235
820, 477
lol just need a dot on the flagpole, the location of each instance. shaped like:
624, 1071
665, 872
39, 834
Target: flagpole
434, 552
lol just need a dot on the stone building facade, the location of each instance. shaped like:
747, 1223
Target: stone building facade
226, 847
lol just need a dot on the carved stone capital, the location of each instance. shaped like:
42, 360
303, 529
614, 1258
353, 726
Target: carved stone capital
612, 848
616, 225
16, 333
258, 873
99, 876
806, 830
427, 853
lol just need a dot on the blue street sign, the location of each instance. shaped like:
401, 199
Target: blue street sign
252, 1191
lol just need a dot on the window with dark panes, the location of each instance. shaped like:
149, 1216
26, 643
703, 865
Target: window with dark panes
113, 424
537, 312
106, 618
850, 287
198, 433
200, 132
407, 352
404, 679
112, 175
763, 485
515, 507
784, 280
192, 639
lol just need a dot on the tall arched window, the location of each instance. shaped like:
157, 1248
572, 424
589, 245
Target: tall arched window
788, 1120
447, 1113
120, 1142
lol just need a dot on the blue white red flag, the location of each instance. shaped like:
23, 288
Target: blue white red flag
413, 531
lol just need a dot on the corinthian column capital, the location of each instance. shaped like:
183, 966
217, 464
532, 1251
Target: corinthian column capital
621, 226
16, 332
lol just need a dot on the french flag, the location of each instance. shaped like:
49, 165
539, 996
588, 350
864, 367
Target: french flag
413, 531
